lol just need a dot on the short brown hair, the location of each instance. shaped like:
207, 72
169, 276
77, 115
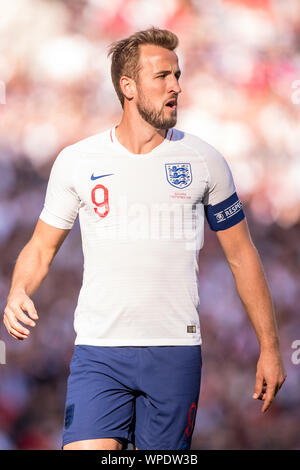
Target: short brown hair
125, 53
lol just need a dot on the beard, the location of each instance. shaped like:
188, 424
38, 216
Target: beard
155, 117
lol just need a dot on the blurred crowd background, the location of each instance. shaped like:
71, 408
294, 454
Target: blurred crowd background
240, 64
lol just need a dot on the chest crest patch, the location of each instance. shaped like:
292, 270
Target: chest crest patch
179, 175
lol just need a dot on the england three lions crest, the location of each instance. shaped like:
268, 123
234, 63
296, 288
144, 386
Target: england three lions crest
179, 174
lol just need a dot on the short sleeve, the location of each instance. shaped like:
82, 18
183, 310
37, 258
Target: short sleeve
61, 202
223, 209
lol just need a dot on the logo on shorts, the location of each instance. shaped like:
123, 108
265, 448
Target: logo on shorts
69, 415
191, 329
179, 174
191, 420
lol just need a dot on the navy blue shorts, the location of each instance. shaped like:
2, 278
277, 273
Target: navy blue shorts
144, 395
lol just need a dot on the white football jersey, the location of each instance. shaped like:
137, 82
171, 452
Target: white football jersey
142, 223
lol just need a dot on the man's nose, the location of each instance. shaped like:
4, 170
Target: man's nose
174, 86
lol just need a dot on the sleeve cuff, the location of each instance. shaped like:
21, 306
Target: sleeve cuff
55, 220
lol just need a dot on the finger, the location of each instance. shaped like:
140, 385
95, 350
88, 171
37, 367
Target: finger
278, 386
15, 334
12, 331
263, 392
16, 337
268, 398
281, 382
13, 323
258, 387
28, 305
18, 313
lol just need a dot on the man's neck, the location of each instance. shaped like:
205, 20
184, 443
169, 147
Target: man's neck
139, 137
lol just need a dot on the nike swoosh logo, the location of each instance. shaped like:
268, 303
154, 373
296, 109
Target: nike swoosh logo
100, 176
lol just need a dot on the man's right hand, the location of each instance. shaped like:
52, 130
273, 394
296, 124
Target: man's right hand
31, 268
18, 303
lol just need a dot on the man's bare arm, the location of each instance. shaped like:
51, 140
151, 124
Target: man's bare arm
253, 290
31, 268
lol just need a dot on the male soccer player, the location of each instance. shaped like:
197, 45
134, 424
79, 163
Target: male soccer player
141, 190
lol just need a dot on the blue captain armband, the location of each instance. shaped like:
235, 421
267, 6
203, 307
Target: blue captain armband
225, 214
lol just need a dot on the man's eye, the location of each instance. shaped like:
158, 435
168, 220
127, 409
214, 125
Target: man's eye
163, 76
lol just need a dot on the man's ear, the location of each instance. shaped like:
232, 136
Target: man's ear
128, 87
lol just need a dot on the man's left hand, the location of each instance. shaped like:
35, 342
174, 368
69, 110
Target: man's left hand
270, 376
